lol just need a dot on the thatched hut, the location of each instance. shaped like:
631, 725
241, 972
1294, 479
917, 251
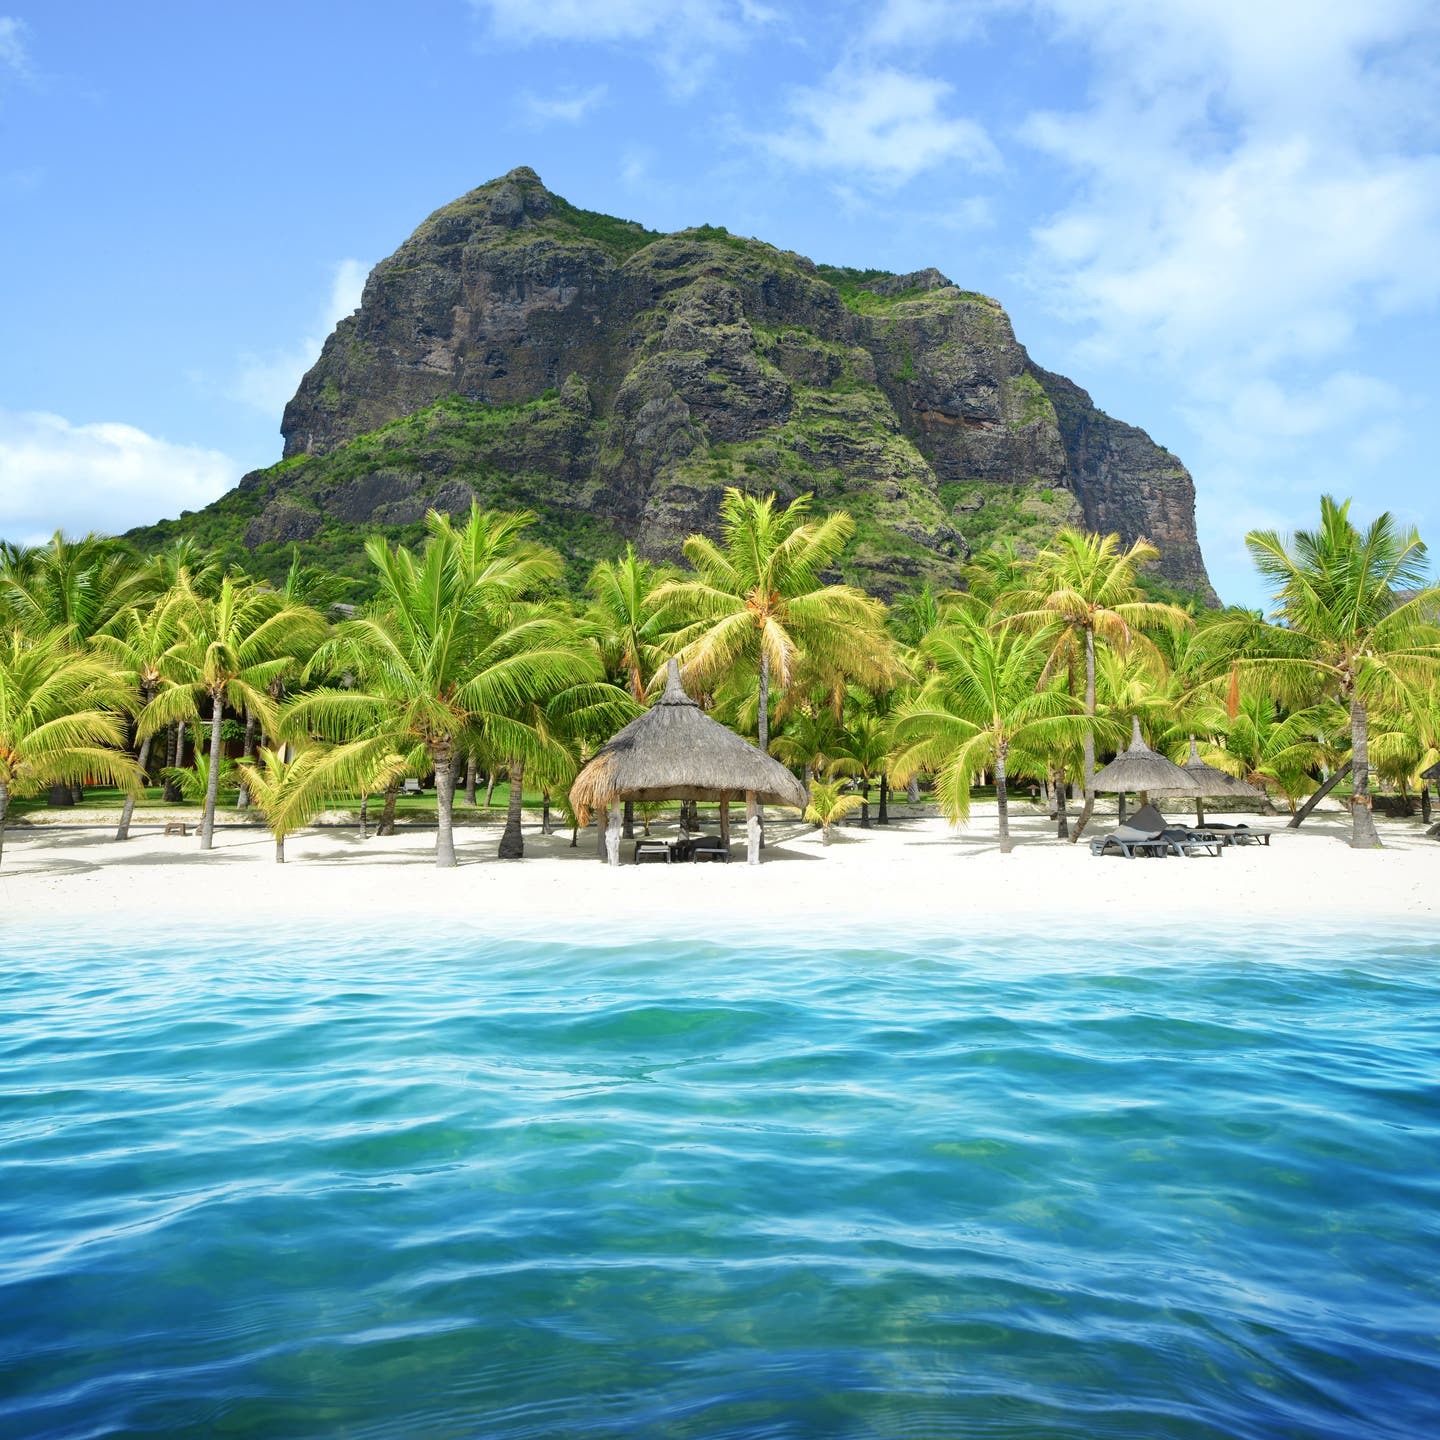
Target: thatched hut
1432, 774
1216, 783
1143, 771
674, 751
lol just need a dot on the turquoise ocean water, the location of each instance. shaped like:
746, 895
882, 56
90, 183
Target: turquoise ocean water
383, 1184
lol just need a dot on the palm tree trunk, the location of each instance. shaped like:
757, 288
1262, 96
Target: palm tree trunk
824, 832
470, 781
4, 806
912, 790
490, 785
387, 813
444, 808
175, 743
364, 814
1362, 817
1425, 803
883, 818
1088, 809
1303, 813
242, 802
279, 849
545, 811
212, 784
865, 804
1062, 819
128, 809
1002, 798
512, 841
764, 729
627, 831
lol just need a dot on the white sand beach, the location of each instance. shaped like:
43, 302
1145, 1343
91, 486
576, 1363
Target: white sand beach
916, 871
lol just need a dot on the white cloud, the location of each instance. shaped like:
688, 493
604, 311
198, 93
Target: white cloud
14, 56
266, 382
1256, 181
105, 477
683, 37
882, 123
568, 108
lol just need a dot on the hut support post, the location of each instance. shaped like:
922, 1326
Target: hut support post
1425, 803
1199, 811
612, 834
752, 829
725, 821
1121, 811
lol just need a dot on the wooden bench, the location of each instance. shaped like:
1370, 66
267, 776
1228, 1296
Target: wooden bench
175, 827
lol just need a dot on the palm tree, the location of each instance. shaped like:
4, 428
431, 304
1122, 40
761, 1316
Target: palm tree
289, 793
626, 619
1082, 589
983, 706
230, 649
758, 599
829, 804
433, 672
1347, 628
1267, 749
137, 645
59, 720
77, 586
864, 753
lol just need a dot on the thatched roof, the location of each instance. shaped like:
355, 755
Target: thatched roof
1216, 782
674, 751
1433, 773
1140, 768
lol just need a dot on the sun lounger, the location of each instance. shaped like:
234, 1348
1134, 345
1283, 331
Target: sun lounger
1130, 841
709, 847
1183, 840
1238, 834
653, 852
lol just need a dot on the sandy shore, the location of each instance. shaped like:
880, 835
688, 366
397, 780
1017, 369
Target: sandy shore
913, 872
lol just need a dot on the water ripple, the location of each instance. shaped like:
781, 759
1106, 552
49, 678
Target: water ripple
892, 1186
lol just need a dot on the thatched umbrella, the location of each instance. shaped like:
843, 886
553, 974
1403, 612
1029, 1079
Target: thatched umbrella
1141, 769
1213, 781
674, 751
1433, 773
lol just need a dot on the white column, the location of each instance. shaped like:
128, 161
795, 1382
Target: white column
612, 834
752, 829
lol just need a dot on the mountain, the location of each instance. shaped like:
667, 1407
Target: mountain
616, 380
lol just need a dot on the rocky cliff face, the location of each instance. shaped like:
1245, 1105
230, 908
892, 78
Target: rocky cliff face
521, 351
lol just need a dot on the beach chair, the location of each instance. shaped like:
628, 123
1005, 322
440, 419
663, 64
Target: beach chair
1132, 840
1188, 841
709, 847
653, 852
1238, 834
411, 787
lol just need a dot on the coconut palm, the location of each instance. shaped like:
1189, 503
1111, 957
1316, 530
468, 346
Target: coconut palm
434, 672
59, 717
829, 803
137, 644
1266, 748
75, 586
230, 649
1082, 589
812, 736
864, 754
983, 707
290, 792
758, 600
1347, 627
626, 619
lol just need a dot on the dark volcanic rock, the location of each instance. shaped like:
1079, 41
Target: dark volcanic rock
616, 381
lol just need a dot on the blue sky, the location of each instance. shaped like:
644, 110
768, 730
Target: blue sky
1220, 218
